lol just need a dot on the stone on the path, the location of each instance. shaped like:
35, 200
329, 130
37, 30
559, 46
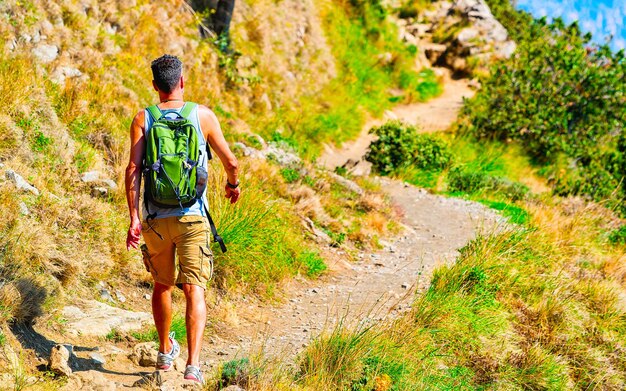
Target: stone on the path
144, 354
62, 73
97, 358
98, 319
92, 380
232, 388
97, 176
59, 360
150, 380
20, 182
179, 365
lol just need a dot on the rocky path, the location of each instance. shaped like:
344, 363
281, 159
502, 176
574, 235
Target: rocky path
381, 284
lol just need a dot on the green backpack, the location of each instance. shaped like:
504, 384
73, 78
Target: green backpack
173, 176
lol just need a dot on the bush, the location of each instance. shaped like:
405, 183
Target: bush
557, 97
400, 146
470, 181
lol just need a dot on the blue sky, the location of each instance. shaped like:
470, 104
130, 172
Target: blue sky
600, 17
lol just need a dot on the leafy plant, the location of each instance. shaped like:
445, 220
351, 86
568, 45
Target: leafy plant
290, 175
399, 146
561, 99
313, 263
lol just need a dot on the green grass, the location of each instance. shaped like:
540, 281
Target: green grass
516, 214
516, 311
363, 83
151, 335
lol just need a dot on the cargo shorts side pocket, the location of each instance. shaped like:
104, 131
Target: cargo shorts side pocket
147, 262
206, 262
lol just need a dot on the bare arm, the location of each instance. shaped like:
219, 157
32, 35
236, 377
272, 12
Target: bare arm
213, 133
133, 178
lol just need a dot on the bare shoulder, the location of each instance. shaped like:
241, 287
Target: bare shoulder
139, 119
205, 112
208, 119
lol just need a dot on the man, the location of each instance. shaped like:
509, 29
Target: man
180, 231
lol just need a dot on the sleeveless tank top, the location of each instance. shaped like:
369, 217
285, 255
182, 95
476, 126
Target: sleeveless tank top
196, 209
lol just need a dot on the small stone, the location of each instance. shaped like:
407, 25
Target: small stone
59, 358
99, 191
20, 182
110, 184
222, 353
63, 73
150, 380
97, 358
90, 176
120, 296
144, 354
232, 388
46, 53
179, 365
24, 209
146, 296
105, 295
405, 285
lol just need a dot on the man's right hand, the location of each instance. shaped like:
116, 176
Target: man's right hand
134, 232
233, 194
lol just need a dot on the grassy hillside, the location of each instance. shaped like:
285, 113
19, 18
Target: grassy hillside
73, 74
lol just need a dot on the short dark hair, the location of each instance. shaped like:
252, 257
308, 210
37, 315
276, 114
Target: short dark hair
166, 71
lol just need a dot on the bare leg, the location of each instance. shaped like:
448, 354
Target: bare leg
162, 313
195, 320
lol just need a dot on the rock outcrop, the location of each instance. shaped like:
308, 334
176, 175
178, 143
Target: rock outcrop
462, 35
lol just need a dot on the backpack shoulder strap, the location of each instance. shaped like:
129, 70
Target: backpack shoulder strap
187, 109
155, 112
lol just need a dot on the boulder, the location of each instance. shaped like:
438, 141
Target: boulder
59, 360
98, 319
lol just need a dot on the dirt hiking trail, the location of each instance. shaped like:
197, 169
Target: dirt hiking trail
378, 286
436, 115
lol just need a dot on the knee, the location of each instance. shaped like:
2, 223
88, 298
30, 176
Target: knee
160, 288
193, 292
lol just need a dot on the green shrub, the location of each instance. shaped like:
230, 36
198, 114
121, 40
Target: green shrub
313, 263
177, 326
290, 175
236, 372
401, 146
465, 179
560, 98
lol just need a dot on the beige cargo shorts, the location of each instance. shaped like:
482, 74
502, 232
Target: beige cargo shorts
181, 255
